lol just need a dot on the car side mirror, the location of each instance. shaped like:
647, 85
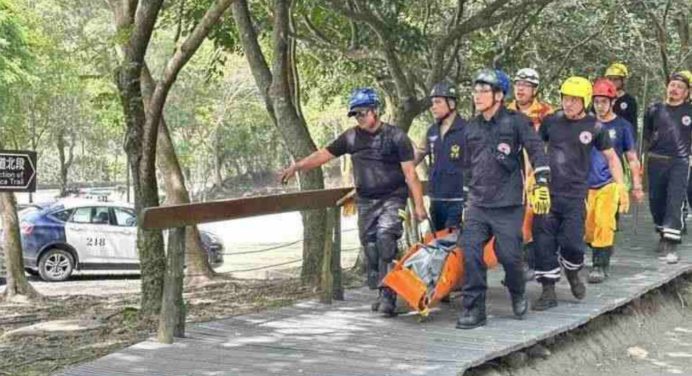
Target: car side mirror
131, 222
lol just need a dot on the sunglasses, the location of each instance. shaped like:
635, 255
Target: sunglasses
361, 114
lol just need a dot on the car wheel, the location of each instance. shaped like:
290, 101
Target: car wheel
31, 272
55, 265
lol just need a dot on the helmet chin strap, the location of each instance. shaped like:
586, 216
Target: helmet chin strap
449, 113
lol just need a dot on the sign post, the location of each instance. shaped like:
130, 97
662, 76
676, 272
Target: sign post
17, 171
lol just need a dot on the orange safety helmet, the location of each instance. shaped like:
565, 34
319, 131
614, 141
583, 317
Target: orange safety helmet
603, 87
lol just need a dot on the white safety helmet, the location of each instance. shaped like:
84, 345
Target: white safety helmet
527, 74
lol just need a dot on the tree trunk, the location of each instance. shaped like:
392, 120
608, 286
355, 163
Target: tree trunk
140, 142
65, 160
17, 284
198, 269
60, 144
172, 323
278, 94
218, 160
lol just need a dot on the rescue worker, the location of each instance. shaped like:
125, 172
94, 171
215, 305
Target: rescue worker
526, 101
384, 174
491, 152
667, 133
443, 149
688, 74
625, 105
526, 83
604, 197
570, 135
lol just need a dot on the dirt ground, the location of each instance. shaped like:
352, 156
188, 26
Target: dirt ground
651, 336
43, 354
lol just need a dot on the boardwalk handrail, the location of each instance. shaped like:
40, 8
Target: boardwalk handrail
171, 216
177, 217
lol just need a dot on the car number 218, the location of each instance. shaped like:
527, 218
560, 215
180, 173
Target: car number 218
96, 242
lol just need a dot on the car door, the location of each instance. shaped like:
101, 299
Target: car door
125, 234
87, 233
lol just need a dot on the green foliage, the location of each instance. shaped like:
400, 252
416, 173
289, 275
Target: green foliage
58, 61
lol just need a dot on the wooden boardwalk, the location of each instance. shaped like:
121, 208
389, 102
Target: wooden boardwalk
345, 338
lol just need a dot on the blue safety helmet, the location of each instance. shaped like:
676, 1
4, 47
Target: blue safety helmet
362, 97
503, 81
489, 77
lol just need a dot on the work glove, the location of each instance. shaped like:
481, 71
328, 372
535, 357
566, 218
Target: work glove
540, 199
624, 196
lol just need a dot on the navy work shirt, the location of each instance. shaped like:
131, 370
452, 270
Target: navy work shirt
667, 129
570, 144
626, 107
446, 180
376, 159
492, 157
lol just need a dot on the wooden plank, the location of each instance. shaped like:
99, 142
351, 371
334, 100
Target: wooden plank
192, 214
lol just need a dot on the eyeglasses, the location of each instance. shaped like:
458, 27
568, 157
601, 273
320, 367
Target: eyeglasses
481, 91
361, 114
523, 84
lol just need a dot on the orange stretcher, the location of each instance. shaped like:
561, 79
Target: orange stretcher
421, 297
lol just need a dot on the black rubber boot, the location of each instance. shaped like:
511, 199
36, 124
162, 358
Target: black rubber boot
529, 262
388, 302
372, 260
547, 300
375, 306
575, 284
606, 261
472, 318
669, 253
519, 305
597, 274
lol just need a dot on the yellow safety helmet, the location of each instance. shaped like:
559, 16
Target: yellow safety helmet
688, 75
576, 86
617, 70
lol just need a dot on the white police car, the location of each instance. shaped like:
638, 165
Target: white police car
78, 235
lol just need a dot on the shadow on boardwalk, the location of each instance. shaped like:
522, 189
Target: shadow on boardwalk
345, 338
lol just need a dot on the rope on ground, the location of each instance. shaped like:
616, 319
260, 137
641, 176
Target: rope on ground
274, 247
266, 266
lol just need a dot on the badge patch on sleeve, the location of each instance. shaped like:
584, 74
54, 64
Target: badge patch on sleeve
623, 105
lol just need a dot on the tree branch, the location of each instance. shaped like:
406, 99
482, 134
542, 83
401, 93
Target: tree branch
181, 56
564, 58
506, 47
488, 16
253, 51
403, 86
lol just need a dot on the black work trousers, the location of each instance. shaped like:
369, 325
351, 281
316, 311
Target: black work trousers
667, 194
480, 225
559, 238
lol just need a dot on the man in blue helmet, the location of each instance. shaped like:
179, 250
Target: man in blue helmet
384, 174
443, 149
504, 82
491, 153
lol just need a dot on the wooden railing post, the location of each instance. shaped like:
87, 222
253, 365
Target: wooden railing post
338, 289
327, 280
172, 317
